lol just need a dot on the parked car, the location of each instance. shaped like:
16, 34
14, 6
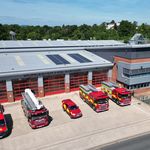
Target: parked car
71, 108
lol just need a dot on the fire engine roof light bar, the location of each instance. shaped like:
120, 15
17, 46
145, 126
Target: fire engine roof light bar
110, 84
31, 100
89, 88
92, 87
85, 88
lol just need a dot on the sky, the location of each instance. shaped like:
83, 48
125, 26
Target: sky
70, 12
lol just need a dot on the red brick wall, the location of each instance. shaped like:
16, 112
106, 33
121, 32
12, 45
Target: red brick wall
67, 87
10, 96
141, 90
41, 91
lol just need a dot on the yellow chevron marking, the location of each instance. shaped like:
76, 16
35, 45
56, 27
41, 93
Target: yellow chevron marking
43, 59
19, 61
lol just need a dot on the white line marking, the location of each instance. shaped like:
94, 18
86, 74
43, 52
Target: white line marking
141, 110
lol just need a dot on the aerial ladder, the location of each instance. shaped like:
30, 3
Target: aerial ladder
30, 99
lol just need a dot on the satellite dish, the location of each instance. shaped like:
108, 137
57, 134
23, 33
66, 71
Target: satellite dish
13, 34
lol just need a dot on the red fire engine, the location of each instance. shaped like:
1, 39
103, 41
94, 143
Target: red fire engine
34, 110
120, 95
3, 125
96, 99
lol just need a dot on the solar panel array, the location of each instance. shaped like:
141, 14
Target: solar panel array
57, 59
79, 58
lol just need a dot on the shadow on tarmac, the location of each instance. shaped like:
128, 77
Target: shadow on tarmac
9, 122
50, 119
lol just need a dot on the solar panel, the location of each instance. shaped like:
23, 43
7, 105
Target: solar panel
57, 59
79, 58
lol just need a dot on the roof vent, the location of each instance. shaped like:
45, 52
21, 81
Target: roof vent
137, 39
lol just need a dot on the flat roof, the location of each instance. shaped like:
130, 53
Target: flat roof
38, 62
46, 45
57, 43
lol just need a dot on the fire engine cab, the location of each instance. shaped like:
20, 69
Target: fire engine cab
34, 110
95, 98
119, 95
3, 125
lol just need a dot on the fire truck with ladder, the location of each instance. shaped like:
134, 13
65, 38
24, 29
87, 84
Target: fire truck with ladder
3, 125
95, 98
34, 110
119, 95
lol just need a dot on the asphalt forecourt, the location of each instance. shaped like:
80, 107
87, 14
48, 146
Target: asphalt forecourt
140, 142
90, 130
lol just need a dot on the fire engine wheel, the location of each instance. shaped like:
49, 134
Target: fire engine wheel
93, 107
63, 108
24, 112
84, 100
118, 102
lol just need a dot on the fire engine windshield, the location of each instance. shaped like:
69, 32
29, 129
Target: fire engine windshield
2, 123
101, 101
74, 107
38, 116
124, 95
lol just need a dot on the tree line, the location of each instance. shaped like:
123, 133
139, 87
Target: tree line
124, 31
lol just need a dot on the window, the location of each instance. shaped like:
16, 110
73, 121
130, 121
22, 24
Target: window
76, 79
54, 84
136, 72
137, 86
99, 76
19, 85
3, 92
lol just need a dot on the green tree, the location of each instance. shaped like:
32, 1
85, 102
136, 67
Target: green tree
4, 33
73, 32
126, 29
145, 30
33, 35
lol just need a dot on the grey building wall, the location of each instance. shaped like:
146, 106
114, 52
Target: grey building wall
90, 75
67, 78
40, 81
110, 73
141, 78
9, 86
129, 53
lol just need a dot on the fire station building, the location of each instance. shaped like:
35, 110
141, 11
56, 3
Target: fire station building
48, 67
51, 67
